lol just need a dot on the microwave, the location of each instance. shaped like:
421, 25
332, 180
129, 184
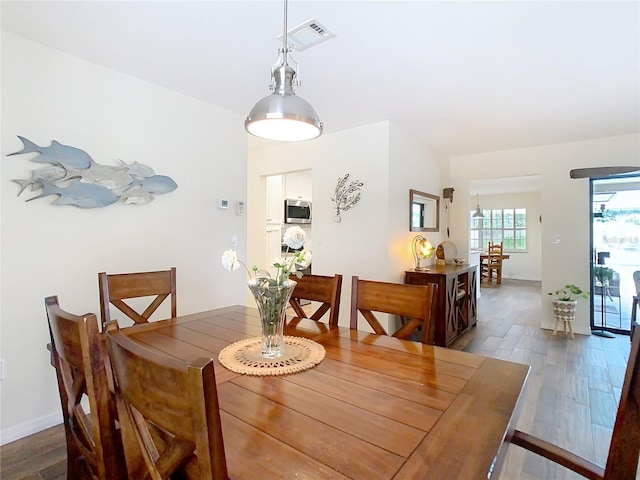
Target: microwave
297, 211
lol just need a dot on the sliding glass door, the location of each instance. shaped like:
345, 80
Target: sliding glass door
615, 242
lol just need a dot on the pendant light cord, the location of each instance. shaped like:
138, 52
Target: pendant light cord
284, 33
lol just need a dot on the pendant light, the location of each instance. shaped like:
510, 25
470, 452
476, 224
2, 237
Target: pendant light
478, 213
283, 115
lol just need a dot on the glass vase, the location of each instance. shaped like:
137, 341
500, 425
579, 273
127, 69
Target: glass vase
272, 301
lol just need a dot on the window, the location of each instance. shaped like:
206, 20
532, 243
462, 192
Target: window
507, 225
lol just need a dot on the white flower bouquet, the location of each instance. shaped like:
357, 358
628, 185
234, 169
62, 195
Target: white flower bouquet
272, 293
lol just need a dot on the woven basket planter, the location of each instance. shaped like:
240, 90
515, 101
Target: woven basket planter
564, 310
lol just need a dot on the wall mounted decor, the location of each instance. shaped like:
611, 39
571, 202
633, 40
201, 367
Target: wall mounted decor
78, 180
424, 212
346, 196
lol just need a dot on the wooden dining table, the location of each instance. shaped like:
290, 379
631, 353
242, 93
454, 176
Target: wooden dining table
376, 407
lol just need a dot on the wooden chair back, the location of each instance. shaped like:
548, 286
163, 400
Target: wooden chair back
493, 263
318, 288
94, 449
494, 253
116, 288
169, 412
495, 248
624, 450
413, 303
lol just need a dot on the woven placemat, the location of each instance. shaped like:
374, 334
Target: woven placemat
244, 357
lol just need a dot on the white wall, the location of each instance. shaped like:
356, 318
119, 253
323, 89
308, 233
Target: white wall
49, 250
412, 165
354, 246
521, 265
373, 239
565, 204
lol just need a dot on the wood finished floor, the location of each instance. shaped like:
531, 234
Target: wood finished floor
574, 384
571, 398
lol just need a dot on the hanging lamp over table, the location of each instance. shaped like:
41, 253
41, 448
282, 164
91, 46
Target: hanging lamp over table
283, 115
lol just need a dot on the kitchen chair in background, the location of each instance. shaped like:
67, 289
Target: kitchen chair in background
318, 288
413, 303
493, 264
119, 287
168, 410
622, 461
94, 449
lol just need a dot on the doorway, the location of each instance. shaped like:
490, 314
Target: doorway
615, 247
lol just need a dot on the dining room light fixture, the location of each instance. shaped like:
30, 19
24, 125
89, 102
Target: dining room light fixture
283, 115
478, 213
421, 248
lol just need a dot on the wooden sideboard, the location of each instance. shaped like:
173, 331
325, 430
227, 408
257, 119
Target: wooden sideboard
456, 308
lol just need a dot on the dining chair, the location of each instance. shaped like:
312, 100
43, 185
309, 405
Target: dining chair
624, 450
493, 263
115, 288
168, 410
94, 449
413, 303
318, 288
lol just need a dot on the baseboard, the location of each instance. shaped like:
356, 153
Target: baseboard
525, 278
25, 429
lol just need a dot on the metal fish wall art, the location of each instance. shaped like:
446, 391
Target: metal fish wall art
80, 181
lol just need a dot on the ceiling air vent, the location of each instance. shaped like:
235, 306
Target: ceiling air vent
307, 34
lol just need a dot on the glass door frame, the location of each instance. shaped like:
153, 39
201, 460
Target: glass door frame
601, 330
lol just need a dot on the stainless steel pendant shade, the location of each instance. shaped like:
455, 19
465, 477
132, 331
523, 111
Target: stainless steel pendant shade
283, 115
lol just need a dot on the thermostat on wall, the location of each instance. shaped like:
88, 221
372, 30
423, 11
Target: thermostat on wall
223, 203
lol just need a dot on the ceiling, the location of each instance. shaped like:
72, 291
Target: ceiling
466, 77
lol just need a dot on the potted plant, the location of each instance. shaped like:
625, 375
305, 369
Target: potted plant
569, 293
603, 274
564, 305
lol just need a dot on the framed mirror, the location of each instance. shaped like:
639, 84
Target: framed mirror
424, 212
